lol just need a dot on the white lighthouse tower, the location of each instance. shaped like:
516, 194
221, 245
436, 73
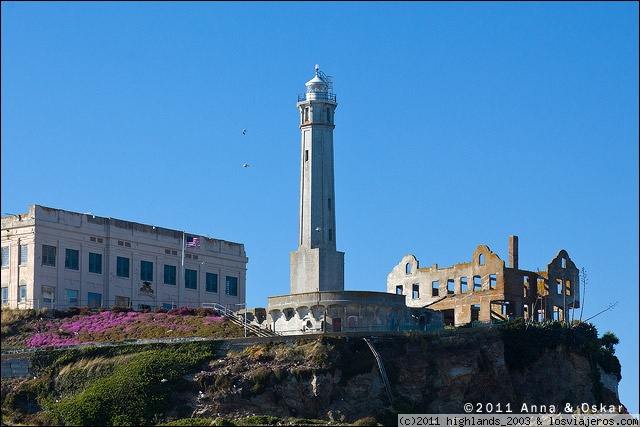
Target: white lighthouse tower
317, 265
318, 302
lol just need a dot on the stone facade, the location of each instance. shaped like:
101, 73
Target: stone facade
58, 259
485, 290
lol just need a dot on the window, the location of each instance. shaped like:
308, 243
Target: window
463, 284
331, 234
306, 114
416, 291
49, 255
168, 306
72, 297
146, 271
5, 256
72, 259
211, 282
190, 279
475, 312
407, 268
329, 203
564, 263
94, 300
492, 281
47, 294
170, 274
434, 288
399, 290
328, 115
5, 295
450, 287
559, 286
122, 267
95, 263
306, 155
481, 259
232, 286
122, 301
23, 293
23, 255
526, 286
567, 288
477, 283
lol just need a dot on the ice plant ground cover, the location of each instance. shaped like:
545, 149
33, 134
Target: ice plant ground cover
115, 326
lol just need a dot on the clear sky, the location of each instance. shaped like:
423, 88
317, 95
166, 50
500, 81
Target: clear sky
458, 124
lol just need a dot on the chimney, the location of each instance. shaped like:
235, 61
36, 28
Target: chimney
513, 252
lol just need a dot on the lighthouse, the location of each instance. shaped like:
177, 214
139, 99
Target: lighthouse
317, 265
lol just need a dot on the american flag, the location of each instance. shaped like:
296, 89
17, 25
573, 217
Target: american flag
193, 242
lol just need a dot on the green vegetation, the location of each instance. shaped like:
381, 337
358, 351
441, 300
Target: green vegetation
525, 343
135, 384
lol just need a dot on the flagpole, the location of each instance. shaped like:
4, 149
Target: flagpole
181, 282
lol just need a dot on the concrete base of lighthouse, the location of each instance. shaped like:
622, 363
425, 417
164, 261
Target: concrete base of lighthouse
343, 311
316, 269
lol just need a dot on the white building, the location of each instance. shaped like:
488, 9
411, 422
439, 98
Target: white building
60, 259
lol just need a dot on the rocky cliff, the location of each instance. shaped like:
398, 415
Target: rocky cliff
339, 379
513, 368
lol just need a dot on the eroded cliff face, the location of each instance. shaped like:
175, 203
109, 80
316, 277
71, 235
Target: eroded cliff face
338, 378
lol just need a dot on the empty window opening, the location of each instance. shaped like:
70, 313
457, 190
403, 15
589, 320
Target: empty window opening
407, 268
559, 286
449, 317
557, 313
477, 283
416, 291
288, 314
567, 287
306, 114
399, 290
475, 312
526, 286
492, 281
450, 287
463, 284
481, 259
434, 288
564, 263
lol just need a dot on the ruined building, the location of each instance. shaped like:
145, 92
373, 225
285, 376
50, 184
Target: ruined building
485, 290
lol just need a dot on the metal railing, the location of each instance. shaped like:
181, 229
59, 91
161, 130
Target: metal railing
317, 96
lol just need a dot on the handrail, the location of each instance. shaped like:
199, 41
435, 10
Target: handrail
383, 373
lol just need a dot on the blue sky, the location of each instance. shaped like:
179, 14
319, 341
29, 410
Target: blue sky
458, 124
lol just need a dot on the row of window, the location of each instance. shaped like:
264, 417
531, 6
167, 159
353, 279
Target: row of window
123, 268
71, 295
435, 286
94, 300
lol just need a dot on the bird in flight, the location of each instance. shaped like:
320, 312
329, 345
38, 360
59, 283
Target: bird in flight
246, 165
244, 131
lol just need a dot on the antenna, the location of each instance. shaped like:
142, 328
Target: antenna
606, 309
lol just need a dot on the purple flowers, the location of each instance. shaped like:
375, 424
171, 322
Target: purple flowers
110, 326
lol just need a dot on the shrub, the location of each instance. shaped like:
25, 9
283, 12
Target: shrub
366, 421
